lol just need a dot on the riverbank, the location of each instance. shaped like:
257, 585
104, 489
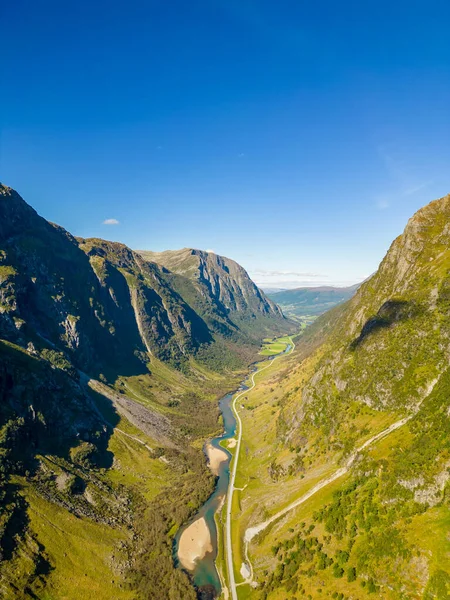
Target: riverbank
215, 457
190, 543
195, 543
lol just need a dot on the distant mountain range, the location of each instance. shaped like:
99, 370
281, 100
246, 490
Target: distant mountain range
311, 301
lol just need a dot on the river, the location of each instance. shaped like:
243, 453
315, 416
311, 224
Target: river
204, 574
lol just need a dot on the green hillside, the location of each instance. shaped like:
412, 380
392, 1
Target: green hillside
378, 363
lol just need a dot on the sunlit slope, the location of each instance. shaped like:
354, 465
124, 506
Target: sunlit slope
381, 529
221, 291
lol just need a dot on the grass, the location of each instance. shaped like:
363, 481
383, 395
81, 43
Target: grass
135, 466
263, 410
86, 555
80, 552
274, 346
221, 565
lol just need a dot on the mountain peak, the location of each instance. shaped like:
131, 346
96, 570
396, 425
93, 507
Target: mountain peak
222, 278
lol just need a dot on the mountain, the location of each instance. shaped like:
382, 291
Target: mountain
354, 428
107, 307
220, 291
311, 301
110, 371
96, 301
222, 278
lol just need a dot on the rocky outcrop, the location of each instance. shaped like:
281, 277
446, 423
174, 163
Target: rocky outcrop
391, 341
226, 281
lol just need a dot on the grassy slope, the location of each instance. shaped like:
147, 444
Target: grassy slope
84, 555
274, 346
423, 548
380, 531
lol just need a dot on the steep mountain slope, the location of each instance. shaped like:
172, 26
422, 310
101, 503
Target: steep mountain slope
107, 307
311, 301
380, 529
107, 394
222, 292
95, 300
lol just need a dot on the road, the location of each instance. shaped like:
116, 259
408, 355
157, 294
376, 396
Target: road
252, 531
229, 549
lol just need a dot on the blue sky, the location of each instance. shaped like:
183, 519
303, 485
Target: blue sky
294, 137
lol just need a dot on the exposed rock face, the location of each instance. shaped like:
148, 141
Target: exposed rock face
52, 288
226, 281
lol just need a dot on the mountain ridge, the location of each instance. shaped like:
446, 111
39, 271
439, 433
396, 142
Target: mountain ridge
205, 267
312, 301
222, 291
376, 361
120, 283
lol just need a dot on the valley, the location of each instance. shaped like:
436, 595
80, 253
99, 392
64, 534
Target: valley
130, 468
305, 304
111, 368
225, 300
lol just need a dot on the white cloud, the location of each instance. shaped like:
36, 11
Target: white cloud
110, 222
209, 250
287, 279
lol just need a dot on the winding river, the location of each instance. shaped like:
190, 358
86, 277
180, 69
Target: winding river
204, 573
